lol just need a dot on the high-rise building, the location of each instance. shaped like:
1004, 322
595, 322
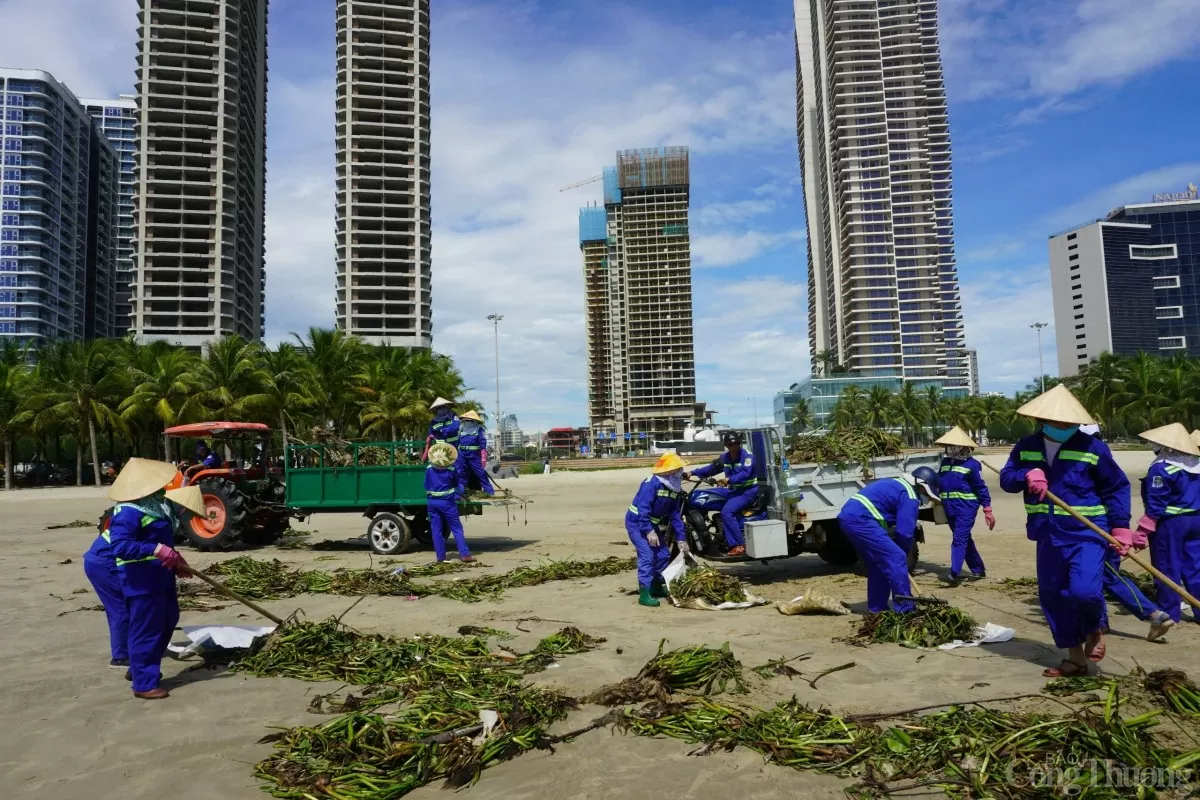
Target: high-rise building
118, 120
637, 264
511, 435
973, 371
201, 170
874, 143
383, 228
58, 214
1128, 283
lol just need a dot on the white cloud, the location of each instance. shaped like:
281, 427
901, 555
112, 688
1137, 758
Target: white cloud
727, 249
1000, 307
716, 214
1138, 188
1049, 52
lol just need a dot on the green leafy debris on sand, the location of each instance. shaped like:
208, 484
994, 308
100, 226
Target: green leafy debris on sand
857, 446
928, 626
706, 583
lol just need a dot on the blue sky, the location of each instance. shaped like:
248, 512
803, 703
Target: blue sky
1060, 110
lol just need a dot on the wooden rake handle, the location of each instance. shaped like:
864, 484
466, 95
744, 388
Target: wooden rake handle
230, 593
1107, 536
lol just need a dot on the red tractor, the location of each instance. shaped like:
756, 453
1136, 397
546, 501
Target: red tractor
244, 496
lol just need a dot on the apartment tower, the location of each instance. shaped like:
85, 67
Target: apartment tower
383, 229
874, 143
637, 265
118, 121
58, 214
201, 170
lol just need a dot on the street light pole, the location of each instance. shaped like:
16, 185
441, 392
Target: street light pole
754, 401
495, 320
1041, 366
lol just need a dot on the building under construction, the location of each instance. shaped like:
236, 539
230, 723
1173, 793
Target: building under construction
637, 264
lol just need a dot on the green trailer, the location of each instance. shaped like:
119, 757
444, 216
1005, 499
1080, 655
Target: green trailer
385, 481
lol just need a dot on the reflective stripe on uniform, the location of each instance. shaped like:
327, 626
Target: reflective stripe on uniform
1172, 469
1079, 455
959, 496
963, 470
867, 504
122, 562
912, 493
668, 493
144, 521
1032, 455
1083, 511
443, 493
105, 537
468, 447
1174, 511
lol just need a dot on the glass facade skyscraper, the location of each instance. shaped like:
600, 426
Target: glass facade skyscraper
874, 142
117, 119
58, 212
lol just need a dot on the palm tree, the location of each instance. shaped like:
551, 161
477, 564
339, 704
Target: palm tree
851, 408
1100, 383
933, 405
227, 382
76, 384
909, 409
801, 416
285, 381
879, 407
335, 360
823, 362
14, 386
164, 380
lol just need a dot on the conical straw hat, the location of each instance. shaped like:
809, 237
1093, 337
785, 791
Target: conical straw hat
441, 401
471, 415
1174, 436
141, 477
443, 454
1057, 405
191, 498
957, 437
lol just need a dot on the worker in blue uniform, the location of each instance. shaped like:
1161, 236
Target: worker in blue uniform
444, 427
881, 523
206, 458
1079, 470
736, 466
141, 534
442, 492
1171, 523
100, 567
963, 492
657, 505
472, 455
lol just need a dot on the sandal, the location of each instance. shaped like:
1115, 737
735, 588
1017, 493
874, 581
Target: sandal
1096, 649
1067, 669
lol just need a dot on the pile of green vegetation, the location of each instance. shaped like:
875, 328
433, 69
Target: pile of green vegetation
928, 626
850, 446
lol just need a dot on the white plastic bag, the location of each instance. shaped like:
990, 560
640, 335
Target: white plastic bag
678, 566
207, 637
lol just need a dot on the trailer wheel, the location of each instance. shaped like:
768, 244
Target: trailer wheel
389, 534
836, 550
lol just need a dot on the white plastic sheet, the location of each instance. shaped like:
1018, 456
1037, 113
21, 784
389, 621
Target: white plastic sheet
679, 565
203, 637
987, 634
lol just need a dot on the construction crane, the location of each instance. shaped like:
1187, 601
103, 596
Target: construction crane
577, 184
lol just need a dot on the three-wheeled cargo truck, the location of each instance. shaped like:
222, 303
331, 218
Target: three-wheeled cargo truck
805, 499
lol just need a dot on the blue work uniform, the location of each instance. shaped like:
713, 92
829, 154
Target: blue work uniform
963, 492
655, 506
472, 445
149, 587
100, 567
742, 491
1171, 496
442, 491
445, 430
212, 461
866, 519
1070, 557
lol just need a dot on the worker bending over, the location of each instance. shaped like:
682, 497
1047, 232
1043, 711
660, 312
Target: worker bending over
444, 427
963, 492
140, 535
736, 466
472, 455
1171, 495
657, 504
881, 524
442, 492
1080, 470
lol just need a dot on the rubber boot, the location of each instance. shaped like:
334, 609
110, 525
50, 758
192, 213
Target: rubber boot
645, 598
659, 589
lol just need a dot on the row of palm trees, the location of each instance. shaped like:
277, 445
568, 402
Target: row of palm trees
1126, 394
120, 390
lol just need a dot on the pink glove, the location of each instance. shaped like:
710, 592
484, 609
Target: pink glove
1147, 525
483, 455
1036, 483
989, 518
1125, 540
169, 557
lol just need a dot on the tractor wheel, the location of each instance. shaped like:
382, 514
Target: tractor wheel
222, 528
837, 550
389, 534
265, 527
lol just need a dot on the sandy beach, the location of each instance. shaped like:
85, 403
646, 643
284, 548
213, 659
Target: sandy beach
72, 730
